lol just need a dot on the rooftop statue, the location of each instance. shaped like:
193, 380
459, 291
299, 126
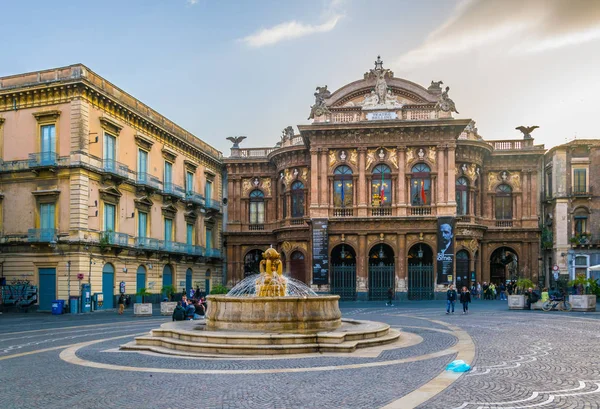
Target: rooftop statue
445, 103
527, 130
287, 134
381, 96
236, 141
319, 108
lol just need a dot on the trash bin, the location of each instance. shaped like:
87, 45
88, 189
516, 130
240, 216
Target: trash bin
57, 307
74, 305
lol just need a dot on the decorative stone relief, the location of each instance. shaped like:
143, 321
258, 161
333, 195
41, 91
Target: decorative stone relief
370, 157
515, 180
431, 154
472, 172
305, 174
353, 157
246, 186
421, 154
393, 158
332, 158
492, 179
287, 178
266, 185
410, 155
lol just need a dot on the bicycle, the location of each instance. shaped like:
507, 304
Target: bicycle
561, 303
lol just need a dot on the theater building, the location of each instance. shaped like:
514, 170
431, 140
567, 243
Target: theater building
98, 188
386, 189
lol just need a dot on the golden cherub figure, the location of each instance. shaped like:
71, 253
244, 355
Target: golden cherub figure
271, 282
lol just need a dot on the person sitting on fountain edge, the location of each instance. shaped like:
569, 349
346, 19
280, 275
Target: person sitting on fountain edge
178, 312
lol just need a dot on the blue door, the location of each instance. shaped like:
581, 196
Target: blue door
140, 282
108, 286
188, 280
47, 288
207, 286
167, 276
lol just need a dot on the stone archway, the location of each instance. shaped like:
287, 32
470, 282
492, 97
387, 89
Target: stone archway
420, 272
252, 262
381, 271
298, 266
343, 272
504, 265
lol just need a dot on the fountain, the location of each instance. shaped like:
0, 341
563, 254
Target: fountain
267, 314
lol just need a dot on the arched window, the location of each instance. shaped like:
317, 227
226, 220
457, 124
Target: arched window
381, 186
283, 201
420, 188
343, 189
462, 196
297, 199
504, 202
257, 207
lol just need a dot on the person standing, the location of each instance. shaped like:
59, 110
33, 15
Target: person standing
390, 297
121, 304
465, 299
450, 299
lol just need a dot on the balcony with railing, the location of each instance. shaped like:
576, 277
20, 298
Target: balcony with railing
381, 211
212, 204
146, 243
171, 189
43, 160
421, 211
147, 180
213, 253
256, 227
343, 212
42, 235
195, 198
114, 238
193, 250
581, 191
504, 223
171, 246
112, 167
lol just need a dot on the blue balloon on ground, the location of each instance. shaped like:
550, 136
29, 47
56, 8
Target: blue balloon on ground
458, 366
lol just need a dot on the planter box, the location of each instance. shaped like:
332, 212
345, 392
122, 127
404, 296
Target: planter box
142, 309
516, 302
583, 302
167, 307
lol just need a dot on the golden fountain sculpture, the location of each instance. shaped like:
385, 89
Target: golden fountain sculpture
271, 282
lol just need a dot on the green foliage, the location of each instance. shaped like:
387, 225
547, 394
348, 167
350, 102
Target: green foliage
547, 239
524, 283
143, 293
590, 285
169, 291
219, 289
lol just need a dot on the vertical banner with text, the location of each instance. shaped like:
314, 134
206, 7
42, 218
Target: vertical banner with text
320, 252
445, 254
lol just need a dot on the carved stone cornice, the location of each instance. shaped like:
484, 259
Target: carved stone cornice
143, 142
143, 204
110, 126
110, 194
168, 210
169, 154
46, 115
190, 166
45, 196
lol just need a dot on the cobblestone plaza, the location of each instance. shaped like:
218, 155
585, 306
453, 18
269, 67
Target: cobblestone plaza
519, 359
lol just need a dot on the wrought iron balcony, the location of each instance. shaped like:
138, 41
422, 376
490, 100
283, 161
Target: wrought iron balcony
213, 253
115, 168
114, 238
171, 246
213, 204
146, 179
192, 250
41, 235
195, 198
43, 160
581, 191
173, 190
146, 243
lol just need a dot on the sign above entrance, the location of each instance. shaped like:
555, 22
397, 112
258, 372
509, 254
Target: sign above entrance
381, 116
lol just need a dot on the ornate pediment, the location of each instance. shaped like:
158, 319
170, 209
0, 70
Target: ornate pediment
169, 210
169, 154
190, 216
143, 203
143, 142
110, 126
110, 194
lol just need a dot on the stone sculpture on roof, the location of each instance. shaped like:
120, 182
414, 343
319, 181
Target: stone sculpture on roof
287, 134
445, 103
526, 130
319, 108
381, 96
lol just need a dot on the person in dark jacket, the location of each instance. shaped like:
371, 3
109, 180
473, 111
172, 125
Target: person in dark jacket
465, 299
121, 303
190, 310
179, 312
450, 299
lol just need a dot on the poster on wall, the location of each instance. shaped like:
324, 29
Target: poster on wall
445, 245
320, 252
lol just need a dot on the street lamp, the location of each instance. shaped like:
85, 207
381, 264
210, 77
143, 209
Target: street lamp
420, 252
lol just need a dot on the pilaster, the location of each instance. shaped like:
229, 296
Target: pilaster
362, 188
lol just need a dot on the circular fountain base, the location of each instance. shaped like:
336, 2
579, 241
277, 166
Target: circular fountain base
273, 314
191, 338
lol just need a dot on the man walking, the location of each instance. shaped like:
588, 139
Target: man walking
450, 299
390, 297
121, 304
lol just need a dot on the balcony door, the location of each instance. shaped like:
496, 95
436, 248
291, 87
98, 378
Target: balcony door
48, 144
110, 143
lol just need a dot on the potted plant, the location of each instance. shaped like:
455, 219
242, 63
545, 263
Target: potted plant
517, 301
143, 308
167, 307
587, 291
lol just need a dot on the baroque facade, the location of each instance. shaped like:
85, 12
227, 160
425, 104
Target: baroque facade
386, 189
98, 188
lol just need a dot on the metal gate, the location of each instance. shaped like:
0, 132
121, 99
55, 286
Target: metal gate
343, 282
381, 279
420, 282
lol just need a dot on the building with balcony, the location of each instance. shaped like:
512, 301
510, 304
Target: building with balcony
571, 228
386, 189
98, 188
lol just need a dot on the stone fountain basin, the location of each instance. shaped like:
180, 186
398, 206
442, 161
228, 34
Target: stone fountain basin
273, 314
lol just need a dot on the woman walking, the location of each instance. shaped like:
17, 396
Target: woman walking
465, 299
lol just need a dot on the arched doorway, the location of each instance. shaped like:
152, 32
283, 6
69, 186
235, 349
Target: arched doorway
252, 262
343, 272
462, 269
140, 282
188, 281
504, 265
381, 271
167, 278
297, 266
420, 272
108, 286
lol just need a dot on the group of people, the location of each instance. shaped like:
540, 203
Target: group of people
492, 291
190, 309
464, 297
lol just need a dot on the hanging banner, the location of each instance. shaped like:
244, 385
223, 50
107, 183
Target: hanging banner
445, 245
320, 252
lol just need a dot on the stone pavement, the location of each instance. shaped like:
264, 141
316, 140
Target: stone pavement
521, 359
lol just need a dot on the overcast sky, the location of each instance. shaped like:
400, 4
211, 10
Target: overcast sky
224, 68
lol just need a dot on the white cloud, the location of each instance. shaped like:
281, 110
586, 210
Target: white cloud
192, 2
287, 31
511, 25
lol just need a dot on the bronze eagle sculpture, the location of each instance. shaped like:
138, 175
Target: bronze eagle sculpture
236, 141
526, 130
